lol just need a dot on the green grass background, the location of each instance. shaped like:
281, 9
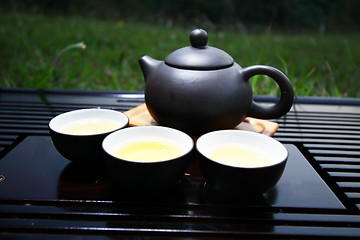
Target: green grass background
317, 64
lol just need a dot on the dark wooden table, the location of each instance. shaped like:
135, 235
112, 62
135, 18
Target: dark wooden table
44, 196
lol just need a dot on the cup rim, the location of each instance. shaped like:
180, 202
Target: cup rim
246, 135
145, 131
55, 122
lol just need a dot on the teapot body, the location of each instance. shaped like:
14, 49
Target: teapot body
198, 101
200, 88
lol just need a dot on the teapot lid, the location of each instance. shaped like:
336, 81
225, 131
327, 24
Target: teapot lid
198, 56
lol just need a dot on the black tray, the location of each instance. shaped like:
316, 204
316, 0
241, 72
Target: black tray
35, 170
44, 196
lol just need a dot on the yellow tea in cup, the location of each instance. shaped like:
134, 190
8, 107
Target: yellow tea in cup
89, 126
148, 150
239, 155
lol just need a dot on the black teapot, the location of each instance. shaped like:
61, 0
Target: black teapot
200, 88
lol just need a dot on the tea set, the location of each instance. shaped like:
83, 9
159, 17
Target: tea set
197, 90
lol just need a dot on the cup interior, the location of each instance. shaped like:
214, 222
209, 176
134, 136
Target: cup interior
100, 120
123, 137
274, 151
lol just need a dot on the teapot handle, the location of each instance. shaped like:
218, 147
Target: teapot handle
287, 93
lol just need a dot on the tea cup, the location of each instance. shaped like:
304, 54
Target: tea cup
147, 158
240, 161
78, 134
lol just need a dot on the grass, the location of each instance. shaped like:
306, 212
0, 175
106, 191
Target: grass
317, 65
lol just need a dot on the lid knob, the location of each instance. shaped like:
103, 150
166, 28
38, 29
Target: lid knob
198, 38
199, 56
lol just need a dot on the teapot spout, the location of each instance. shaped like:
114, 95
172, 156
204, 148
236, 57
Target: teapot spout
148, 64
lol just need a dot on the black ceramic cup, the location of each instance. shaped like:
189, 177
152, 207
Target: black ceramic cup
78, 134
240, 162
147, 173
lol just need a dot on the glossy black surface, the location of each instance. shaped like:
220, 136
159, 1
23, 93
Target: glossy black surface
84, 151
35, 170
239, 181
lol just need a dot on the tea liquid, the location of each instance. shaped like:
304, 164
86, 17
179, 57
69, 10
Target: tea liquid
148, 150
90, 126
240, 155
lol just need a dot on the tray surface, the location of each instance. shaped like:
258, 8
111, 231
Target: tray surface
35, 170
43, 196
